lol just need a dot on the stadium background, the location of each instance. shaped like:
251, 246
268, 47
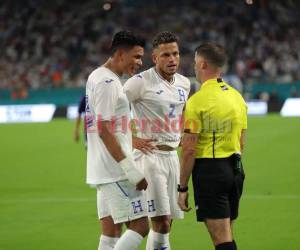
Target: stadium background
47, 51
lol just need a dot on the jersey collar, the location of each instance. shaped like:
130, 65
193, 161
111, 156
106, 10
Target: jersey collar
170, 83
212, 81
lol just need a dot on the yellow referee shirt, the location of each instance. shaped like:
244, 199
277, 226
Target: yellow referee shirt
218, 113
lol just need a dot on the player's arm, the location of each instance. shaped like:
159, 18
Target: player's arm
187, 161
110, 141
106, 97
192, 129
188, 89
76, 134
182, 127
114, 148
144, 145
244, 126
81, 109
243, 140
134, 90
187, 158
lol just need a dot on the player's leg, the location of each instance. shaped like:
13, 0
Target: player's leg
220, 232
159, 234
159, 174
162, 224
234, 199
213, 181
231, 226
133, 236
110, 233
127, 205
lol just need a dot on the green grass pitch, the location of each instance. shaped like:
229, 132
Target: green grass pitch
45, 204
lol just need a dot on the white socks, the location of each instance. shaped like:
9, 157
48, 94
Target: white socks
149, 245
158, 241
107, 243
130, 240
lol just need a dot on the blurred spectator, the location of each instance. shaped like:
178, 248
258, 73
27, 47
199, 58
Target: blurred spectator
274, 103
294, 92
57, 43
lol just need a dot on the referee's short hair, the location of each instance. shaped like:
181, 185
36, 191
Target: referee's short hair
126, 40
164, 37
213, 53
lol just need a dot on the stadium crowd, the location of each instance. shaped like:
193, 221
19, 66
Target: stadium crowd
58, 43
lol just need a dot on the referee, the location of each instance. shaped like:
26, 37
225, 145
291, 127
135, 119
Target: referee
215, 126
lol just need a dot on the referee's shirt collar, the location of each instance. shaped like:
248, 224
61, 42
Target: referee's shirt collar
211, 81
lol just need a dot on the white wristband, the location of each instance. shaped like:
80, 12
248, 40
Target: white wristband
132, 173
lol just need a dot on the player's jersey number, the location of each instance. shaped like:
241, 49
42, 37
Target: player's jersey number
172, 111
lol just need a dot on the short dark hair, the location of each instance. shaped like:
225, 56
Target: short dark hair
213, 53
164, 37
126, 39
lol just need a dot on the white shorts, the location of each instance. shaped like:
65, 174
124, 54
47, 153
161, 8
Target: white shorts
162, 174
121, 201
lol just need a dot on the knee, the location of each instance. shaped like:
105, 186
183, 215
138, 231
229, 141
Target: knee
164, 226
219, 231
141, 226
110, 229
220, 237
117, 231
144, 229
112, 232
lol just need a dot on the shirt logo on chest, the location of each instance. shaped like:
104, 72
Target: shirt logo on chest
182, 97
109, 81
159, 92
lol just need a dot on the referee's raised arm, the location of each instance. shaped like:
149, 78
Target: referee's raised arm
215, 127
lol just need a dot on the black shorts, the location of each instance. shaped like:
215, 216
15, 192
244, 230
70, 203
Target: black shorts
217, 188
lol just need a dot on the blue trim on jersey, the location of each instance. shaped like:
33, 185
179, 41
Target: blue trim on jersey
123, 191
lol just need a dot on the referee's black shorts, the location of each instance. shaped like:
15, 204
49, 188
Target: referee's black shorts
217, 188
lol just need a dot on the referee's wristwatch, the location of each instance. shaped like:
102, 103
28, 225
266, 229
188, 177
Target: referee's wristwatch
182, 189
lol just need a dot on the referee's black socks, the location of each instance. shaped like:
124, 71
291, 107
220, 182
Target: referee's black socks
235, 246
226, 246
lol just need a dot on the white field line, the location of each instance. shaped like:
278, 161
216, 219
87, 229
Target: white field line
271, 196
46, 200
81, 199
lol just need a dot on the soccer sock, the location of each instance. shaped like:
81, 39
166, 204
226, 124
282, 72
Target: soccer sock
130, 240
149, 245
160, 241
235, 245
107, 243
225, 246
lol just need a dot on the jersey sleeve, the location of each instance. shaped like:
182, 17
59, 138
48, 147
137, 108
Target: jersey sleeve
134, 88
81, 107
105, 99
189, 85
192, 119
244, 116
244, 111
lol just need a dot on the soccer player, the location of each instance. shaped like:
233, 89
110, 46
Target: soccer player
81, 111
158, 96
215, 127
110, 163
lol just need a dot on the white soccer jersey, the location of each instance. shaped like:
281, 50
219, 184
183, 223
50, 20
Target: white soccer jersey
157, 105
105, 101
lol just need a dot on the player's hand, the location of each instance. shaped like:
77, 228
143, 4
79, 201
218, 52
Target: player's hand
183, 201
144, 145
142, 185
76, 136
